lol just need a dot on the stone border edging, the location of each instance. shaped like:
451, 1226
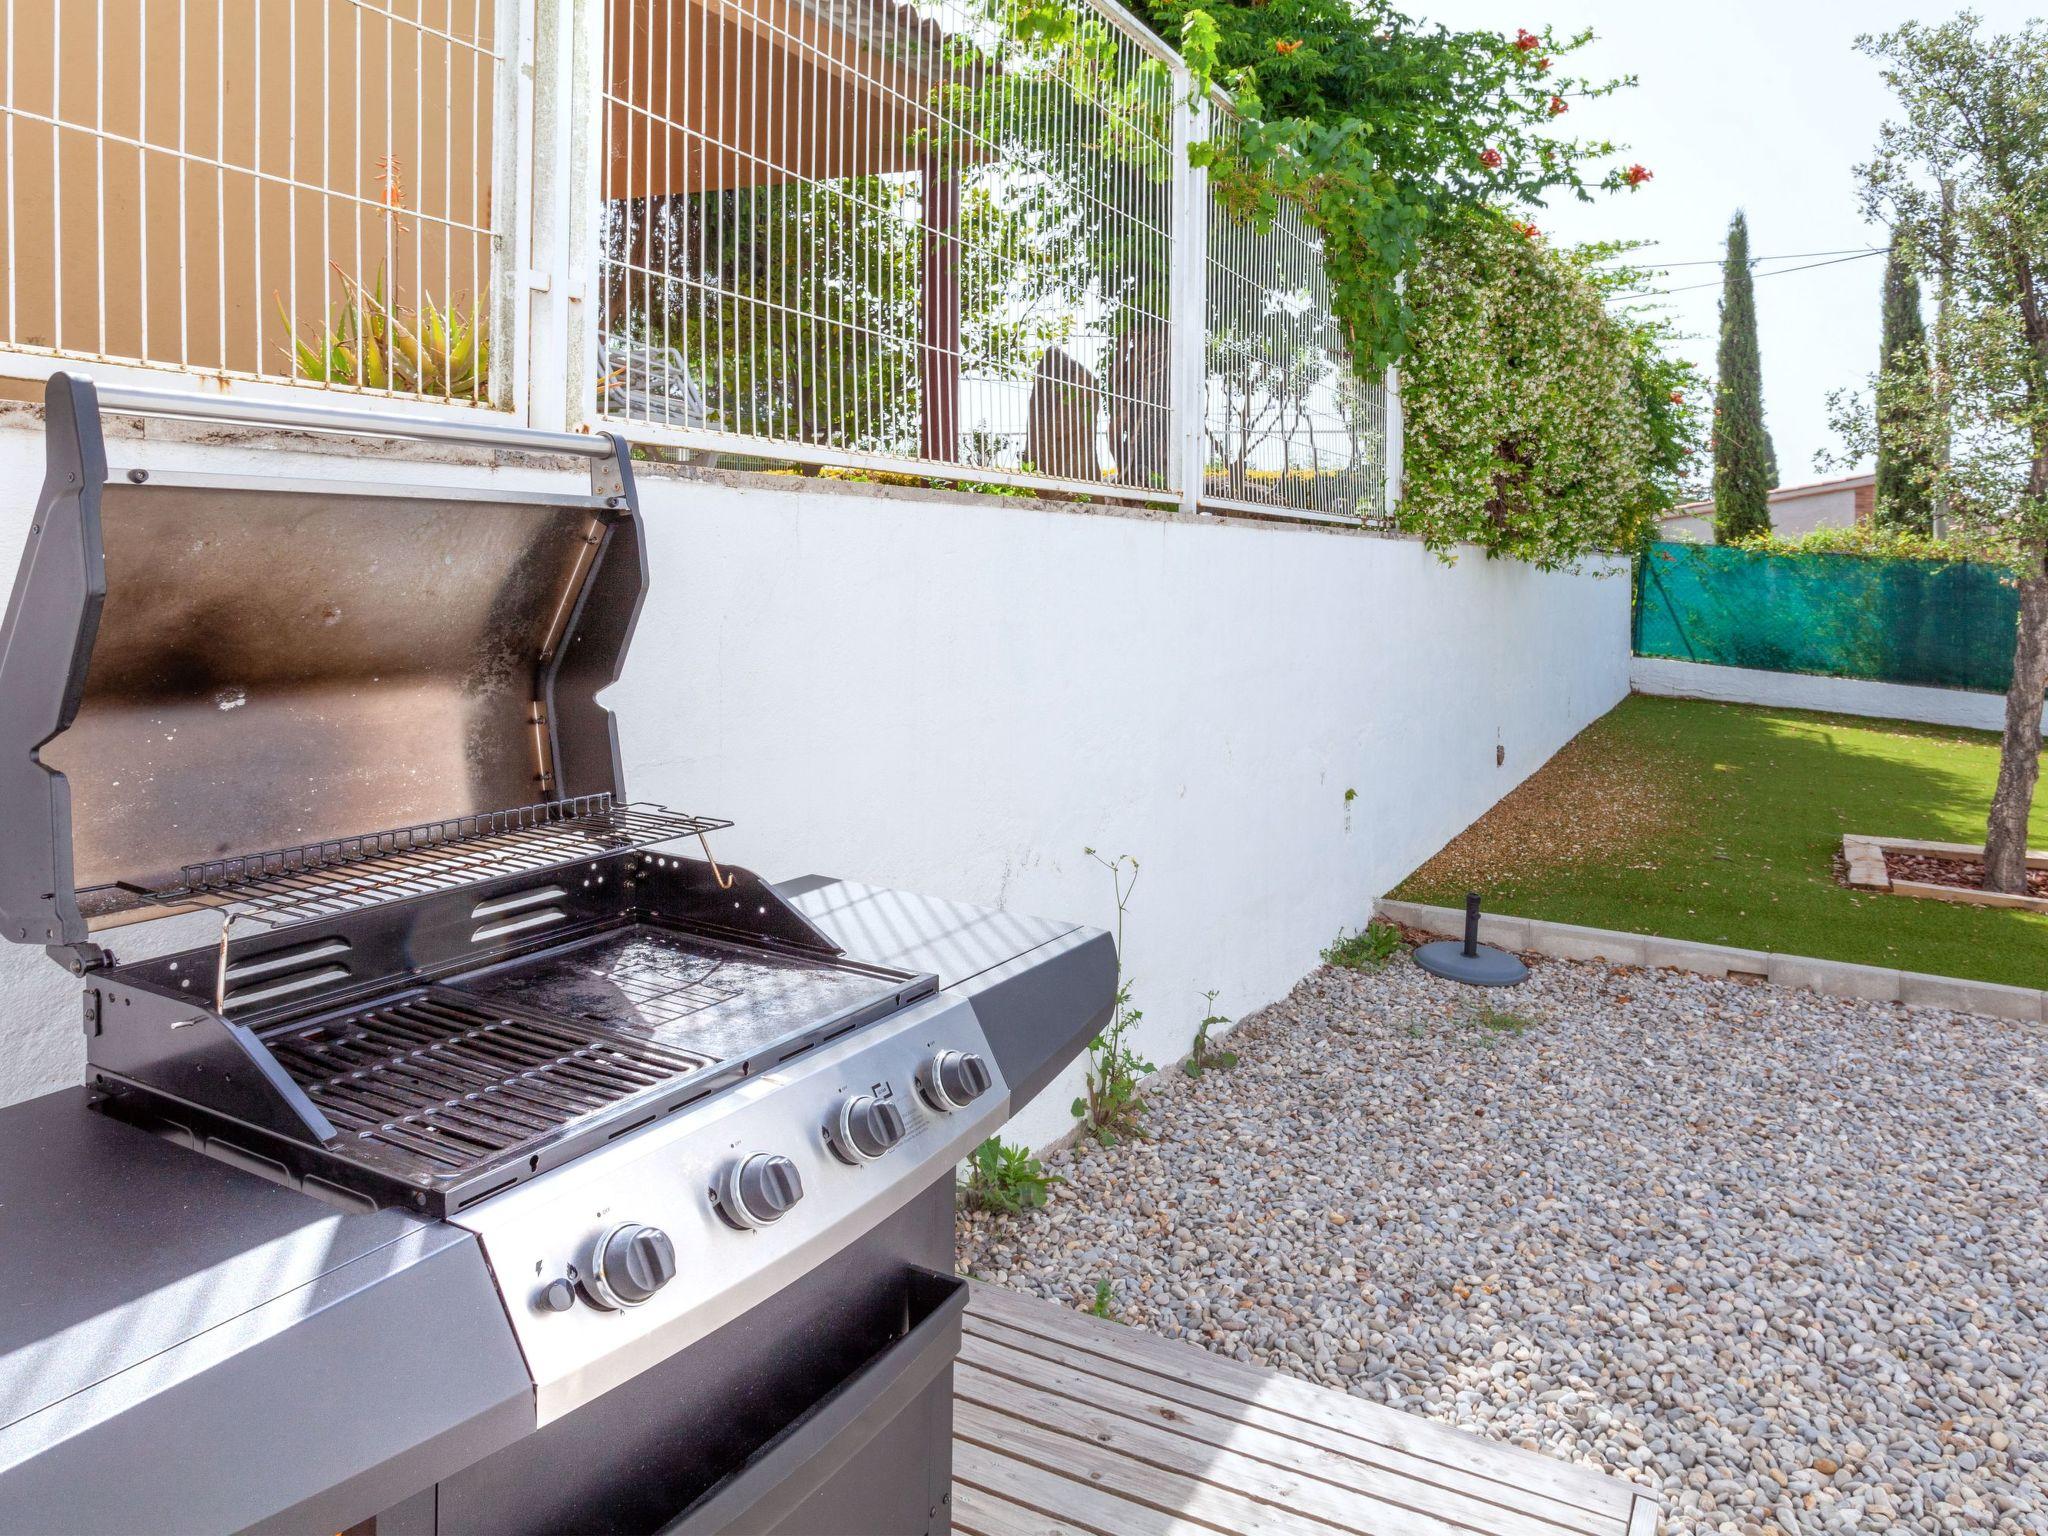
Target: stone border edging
1836, 978
1869, 869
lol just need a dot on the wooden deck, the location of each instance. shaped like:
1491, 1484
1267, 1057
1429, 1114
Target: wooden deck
1068, 1424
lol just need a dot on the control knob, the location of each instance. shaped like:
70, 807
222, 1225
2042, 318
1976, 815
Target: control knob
629, 1264
953, 1079
758, 1190
556, 1296
865, 1128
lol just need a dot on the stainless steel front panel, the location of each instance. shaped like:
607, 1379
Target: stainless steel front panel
664, 1176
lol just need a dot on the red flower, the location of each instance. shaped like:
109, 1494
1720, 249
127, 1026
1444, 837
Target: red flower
1636, 175
1525, 39
1543, 66
1678, 397
1557, 105
1490, 158
1285, 45
1526, 231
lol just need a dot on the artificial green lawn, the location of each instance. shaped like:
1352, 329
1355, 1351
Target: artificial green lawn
1761, 798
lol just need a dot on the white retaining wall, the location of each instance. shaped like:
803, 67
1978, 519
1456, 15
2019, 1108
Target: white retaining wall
1804, 690
958, 694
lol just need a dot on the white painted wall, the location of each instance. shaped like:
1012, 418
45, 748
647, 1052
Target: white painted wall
1804, 690
959, 694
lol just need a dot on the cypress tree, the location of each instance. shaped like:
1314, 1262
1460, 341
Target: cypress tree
1906, 444
1742, 449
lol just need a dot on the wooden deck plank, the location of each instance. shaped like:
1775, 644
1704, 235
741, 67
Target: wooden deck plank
979, 1513
1129, 1349
1360, 1485
1219, 1467
1139, 1482
1075, 1500
1068, 1423
1339, 1446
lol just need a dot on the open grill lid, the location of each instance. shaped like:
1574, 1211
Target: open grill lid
276, 695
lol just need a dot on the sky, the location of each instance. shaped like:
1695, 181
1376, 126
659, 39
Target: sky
1762, 105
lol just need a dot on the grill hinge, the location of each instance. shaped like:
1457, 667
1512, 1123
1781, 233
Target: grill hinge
80, 959
544, 775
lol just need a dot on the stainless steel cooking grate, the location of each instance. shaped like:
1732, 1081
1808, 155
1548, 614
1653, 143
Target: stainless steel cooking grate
451, 1084
322, 880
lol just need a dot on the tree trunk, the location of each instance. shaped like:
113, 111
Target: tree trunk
2019, 756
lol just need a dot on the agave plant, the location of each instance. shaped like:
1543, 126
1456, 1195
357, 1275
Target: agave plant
370, 342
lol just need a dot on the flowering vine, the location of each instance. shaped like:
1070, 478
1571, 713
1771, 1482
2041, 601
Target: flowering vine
1540, 423
1381, 128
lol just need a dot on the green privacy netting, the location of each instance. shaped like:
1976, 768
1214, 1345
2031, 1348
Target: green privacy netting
1899, 621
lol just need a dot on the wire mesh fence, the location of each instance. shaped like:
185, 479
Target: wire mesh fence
1288, 426
925, 233
941, 236
260, 189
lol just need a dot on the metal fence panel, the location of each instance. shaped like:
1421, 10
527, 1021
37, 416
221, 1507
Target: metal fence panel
916, 235
289, 190
944, 237
1289, 427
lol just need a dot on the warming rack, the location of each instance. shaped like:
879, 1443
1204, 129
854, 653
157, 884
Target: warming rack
323, 880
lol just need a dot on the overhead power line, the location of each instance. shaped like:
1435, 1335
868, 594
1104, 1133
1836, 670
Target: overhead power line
1780, 272
1722, 261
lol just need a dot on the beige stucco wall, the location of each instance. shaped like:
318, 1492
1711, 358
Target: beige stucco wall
1794, 510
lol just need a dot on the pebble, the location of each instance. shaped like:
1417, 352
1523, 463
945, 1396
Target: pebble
1782, 1258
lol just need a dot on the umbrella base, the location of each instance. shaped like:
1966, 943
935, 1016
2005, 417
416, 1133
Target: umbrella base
1489, 967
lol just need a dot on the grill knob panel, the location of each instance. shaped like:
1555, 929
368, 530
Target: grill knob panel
629, 1264
865, 1128
758, 1190
953, 1080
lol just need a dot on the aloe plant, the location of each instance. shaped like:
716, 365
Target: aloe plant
371, 342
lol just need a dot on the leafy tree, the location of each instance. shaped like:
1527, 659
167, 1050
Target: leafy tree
1974, 120
1743, 457
1905, 465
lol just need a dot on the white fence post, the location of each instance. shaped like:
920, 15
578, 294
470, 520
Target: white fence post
584, 188
512, 187
1190, 287
1392, 455
553, 278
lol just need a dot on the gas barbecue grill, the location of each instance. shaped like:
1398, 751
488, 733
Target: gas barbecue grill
496, 1159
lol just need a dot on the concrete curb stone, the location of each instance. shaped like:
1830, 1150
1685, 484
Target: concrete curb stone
1834, 978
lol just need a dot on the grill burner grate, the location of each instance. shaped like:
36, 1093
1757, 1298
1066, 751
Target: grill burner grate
451, 1085
323, 880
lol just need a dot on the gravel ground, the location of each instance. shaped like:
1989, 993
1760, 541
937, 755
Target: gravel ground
1782, 1257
